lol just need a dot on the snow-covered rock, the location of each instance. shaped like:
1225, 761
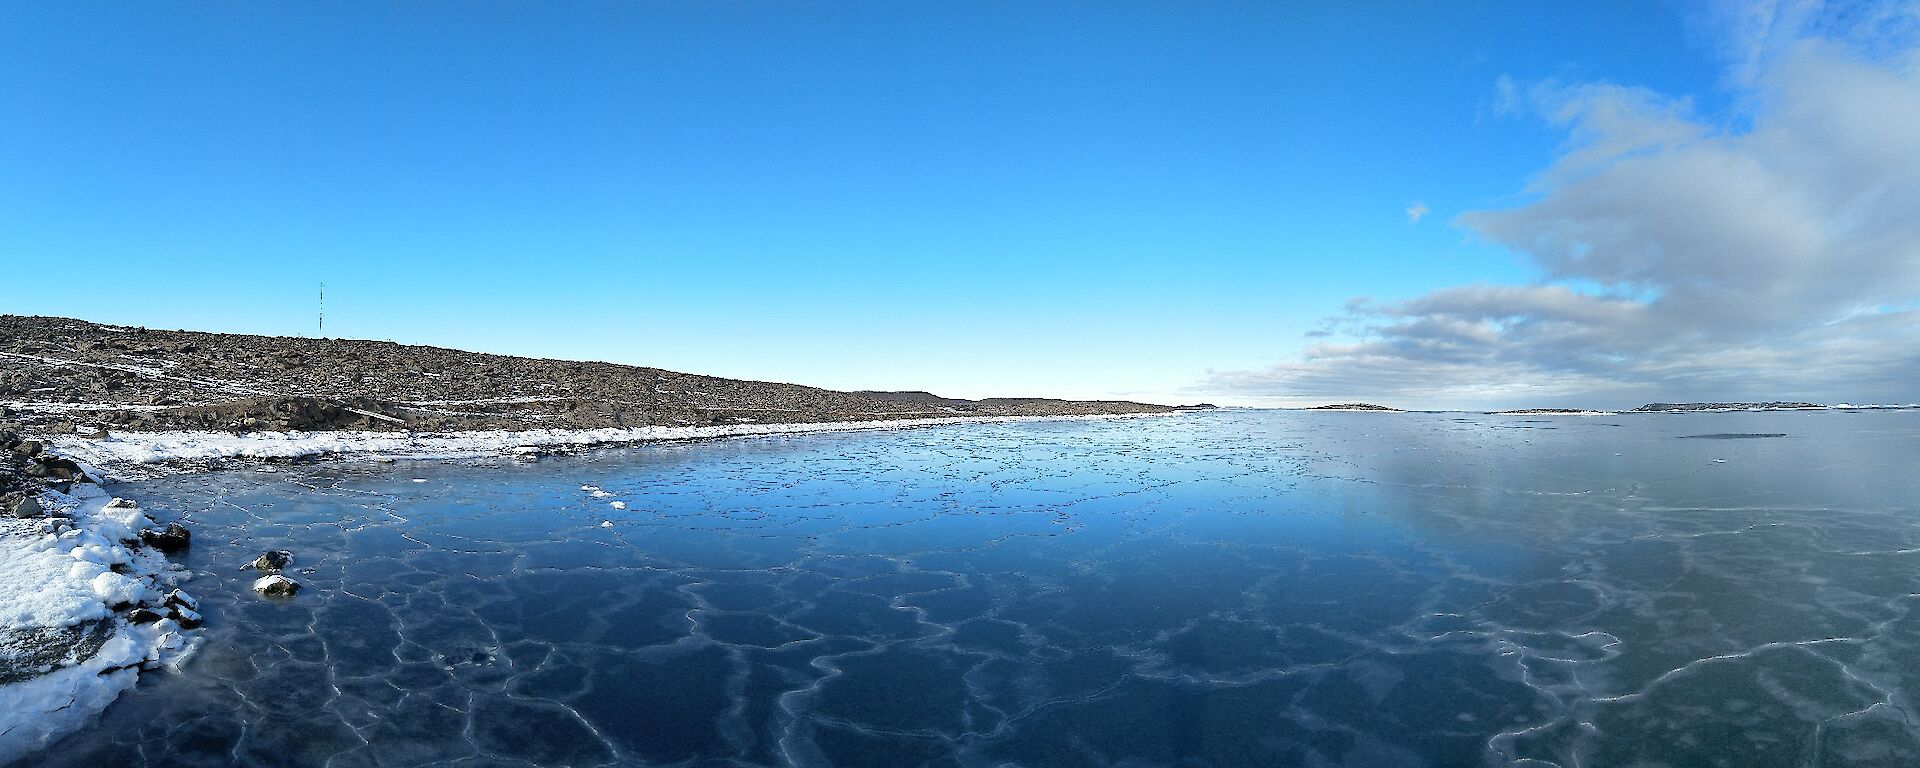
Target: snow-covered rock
66, 651
276, 585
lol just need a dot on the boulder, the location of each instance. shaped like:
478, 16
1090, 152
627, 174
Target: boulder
56, 467
276, 585
187, 618
173, 538
273, 561
120, 503
26, 507
144, 616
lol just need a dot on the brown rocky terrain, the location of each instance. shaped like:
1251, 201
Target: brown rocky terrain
59, 374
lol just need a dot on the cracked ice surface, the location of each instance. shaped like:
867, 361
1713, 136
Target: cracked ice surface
1233, 588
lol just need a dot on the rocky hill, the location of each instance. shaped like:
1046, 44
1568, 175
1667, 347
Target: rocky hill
59, 374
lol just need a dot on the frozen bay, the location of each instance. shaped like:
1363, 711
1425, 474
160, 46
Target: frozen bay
1228, 588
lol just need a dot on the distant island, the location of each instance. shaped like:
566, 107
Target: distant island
1682, 407
1549, 412
1354, 407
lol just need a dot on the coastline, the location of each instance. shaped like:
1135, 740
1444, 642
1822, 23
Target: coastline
71, 580
69, 694
186, 450
85, 602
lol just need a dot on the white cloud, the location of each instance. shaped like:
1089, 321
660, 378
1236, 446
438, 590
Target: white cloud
1507, 100
1681, 259
1417, 211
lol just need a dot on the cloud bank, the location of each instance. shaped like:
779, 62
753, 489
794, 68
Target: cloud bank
1681, 258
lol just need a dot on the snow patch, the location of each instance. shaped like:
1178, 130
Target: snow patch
158, 447
55, 575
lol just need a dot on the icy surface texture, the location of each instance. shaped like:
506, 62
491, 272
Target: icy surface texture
1226, 589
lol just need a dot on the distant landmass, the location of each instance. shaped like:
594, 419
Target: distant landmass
1547, 412
57, 374
1353, 407
933, 400
1772, 406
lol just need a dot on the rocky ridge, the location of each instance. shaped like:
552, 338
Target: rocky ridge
58, 375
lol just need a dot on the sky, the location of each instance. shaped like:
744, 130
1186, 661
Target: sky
1420, 204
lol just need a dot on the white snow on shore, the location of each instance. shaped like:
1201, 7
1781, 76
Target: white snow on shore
156, 447
63, 576
78, 407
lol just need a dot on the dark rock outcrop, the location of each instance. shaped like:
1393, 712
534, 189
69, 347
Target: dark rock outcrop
173, 538
26, 507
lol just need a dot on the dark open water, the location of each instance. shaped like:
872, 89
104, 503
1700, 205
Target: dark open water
1222, 589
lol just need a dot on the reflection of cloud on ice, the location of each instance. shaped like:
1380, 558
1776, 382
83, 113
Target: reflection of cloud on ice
1680, 258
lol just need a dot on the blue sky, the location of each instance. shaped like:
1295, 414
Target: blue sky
1157, 201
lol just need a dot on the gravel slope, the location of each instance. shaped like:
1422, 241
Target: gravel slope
57, 374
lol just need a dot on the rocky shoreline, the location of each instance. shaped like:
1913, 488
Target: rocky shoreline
88, 597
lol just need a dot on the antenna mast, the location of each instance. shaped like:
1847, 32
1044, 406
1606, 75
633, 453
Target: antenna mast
323, 309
